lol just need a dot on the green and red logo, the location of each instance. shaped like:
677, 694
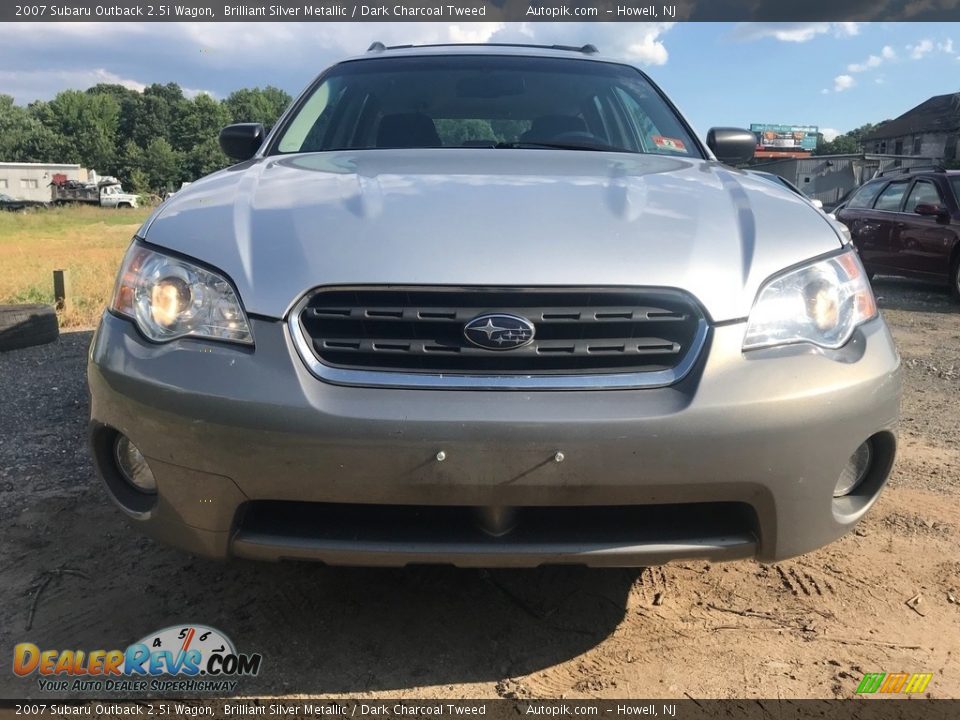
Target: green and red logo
894, 683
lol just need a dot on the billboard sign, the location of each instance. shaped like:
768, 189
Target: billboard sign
785, 137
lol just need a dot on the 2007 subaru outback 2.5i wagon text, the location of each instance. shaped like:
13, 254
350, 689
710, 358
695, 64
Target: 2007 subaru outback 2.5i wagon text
491, 306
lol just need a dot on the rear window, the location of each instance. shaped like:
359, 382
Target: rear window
482, 101
890, 198
864, 197
923, 192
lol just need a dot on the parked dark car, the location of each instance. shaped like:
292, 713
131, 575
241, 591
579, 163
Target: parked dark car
13, 204
8, 203
908, 224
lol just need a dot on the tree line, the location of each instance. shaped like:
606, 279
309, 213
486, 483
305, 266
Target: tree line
849, 143
151, 140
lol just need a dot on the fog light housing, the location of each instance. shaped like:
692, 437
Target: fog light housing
855, 471
133, 465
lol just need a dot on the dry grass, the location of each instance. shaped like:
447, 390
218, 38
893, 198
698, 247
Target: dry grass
87, 241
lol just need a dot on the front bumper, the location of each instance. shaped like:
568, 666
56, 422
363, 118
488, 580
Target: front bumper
255, 457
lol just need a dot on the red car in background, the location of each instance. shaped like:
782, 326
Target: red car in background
908, 224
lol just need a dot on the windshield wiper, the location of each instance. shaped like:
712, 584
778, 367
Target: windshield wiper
603, 147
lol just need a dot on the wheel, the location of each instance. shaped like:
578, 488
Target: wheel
955, 278
121, 206
26, 325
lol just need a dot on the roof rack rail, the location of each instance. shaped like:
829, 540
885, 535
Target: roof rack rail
914, 168
587, 49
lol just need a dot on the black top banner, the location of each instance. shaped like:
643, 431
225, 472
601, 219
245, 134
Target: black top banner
482, 11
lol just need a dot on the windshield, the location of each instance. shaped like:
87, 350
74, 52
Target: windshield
480, 101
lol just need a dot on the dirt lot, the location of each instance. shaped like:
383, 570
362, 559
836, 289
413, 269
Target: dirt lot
809, 627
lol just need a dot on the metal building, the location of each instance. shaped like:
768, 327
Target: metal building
829, 178
931, 128
31, 181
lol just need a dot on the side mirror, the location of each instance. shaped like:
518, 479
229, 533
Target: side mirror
931, 210
241, 141
732, 146
818, 204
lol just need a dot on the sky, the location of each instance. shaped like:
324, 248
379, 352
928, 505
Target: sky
837, 76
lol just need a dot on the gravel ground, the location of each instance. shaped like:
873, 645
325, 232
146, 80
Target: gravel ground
808, 627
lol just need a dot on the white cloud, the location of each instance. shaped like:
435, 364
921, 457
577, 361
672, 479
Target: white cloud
873, 61
797, 32
221, 57
191, 93
846, 29
843, 82
46, 83
825, 92
946, 46
829, 134
642, 43
920, 49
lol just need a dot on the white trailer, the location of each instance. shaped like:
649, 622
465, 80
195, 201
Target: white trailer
31, 181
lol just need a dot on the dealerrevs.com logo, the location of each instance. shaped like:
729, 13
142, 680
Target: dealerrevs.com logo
180, 658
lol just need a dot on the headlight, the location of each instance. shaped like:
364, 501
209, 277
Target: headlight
821, 303
171, 298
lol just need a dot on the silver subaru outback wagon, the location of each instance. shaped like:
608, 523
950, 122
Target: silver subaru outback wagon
491, 306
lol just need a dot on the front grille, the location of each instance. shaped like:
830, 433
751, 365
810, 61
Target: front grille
577, 330
438, 525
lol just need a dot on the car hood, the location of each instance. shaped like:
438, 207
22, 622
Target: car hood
281, 225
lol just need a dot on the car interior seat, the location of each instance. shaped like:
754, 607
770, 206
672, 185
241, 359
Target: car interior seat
549, 127
407, 130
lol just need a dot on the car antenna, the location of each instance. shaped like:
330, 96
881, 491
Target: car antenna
376, 46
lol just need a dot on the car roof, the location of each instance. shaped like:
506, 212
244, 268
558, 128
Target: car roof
581, 52
912, 173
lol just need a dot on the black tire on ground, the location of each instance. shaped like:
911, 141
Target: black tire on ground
26, 325
955, 279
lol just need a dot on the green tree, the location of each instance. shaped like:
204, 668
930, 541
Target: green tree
129, 102
840, 145
130, 163
199, 121
509, 130
23, 138
261, 105
850, 142
88, 123
455, 132
203, 159
161, 164
157, 114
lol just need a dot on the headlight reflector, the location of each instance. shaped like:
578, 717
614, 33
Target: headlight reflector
820, 303
170, 298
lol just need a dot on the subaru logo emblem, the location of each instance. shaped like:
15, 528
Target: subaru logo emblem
496, 331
